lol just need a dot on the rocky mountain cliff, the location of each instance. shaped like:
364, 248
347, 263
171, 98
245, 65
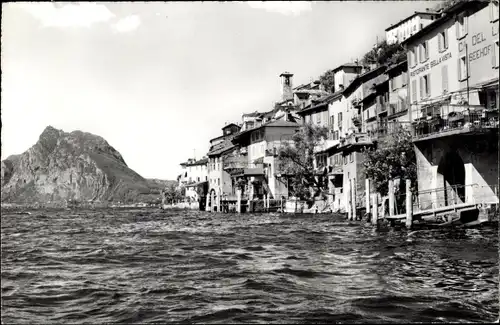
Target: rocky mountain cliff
74, 166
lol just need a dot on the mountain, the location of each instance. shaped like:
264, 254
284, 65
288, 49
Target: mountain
76, 166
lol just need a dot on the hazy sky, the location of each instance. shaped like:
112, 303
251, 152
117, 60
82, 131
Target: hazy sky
158, 80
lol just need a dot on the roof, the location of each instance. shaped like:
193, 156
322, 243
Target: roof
231, 124
195, 184
416, 13
222, 147
322, 102
347, 65
401, 65
276, 123
286, 73
447, 15
359, 80
195, 163
252, 114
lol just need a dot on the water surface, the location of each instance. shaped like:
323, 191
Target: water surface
140, 266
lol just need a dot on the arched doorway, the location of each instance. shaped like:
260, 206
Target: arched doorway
452, 170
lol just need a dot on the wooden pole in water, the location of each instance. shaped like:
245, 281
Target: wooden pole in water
268, 201
238, 200
367, 194
348, 195
375, 209
391, 197
212, 201
409, 205
353, 193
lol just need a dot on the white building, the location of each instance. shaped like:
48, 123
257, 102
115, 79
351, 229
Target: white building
409, 26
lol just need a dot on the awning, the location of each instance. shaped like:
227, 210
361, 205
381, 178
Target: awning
249, 172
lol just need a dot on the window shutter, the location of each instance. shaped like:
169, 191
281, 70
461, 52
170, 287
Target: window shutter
414, 90
428, 86
459, 71
445, 40
444, 74
457, 24
421, 87
415, 50
426, 50
466, 25
440, 42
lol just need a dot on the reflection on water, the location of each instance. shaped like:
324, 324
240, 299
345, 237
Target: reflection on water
147, 266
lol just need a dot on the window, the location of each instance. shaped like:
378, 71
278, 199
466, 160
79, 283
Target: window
412, 58
218, 181
444, 78
493, 11
496, 54
461, 26
198, 179
443, 40
414, 91
491, 99
351, 157
332, 120
424, 51
462, 68
425, 83
404, 79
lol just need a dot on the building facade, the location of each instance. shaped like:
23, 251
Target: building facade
409, 26
453, 89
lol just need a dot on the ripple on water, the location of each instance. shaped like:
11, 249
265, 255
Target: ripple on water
140, 266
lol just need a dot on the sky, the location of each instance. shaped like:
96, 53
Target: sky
159, 80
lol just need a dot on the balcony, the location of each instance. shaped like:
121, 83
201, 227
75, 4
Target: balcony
395, 109
381, 108
239, 162
454, 122
355, 139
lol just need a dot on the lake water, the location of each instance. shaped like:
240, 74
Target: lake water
140, 266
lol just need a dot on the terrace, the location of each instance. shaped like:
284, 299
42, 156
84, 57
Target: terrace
447, 120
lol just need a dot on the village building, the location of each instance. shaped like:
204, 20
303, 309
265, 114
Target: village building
453, 87
194, 173
256, 163
409, 26
219, 181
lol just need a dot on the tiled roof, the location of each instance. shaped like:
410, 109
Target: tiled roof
321, 102
347, 65
195, 163
359, 80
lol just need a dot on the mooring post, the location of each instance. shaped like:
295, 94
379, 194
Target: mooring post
409, 205
391, 197
281, 204
367, 195
348, 196
238, 201
353, 194
375, 209
268, 201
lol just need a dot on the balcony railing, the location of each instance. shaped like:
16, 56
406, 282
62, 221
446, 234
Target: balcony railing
381, 107
355, 138
466, 120
240, 162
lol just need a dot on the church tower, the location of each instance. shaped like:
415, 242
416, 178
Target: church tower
286, 86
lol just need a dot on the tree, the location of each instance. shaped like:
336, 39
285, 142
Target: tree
327, 79
385, 53
392, 158
296, 159
172, 193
